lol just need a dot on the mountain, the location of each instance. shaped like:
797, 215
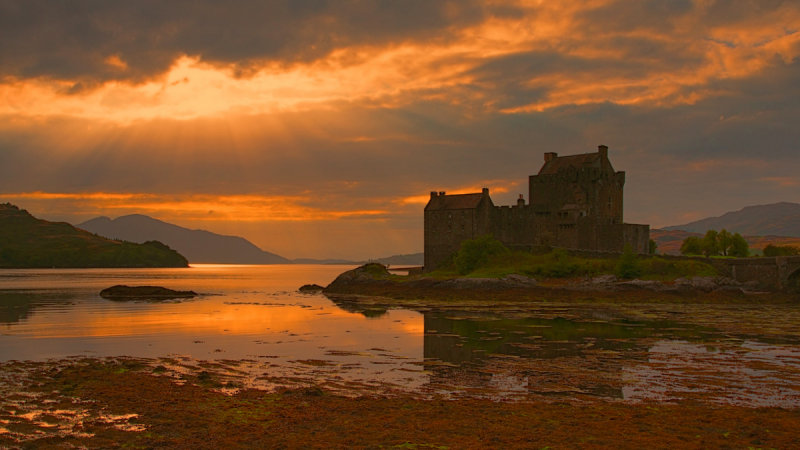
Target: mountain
777, 219
413, 259
199, 246
26, 241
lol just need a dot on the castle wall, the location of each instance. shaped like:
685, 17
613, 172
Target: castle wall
444, 232
446, 229
637, 236
514, 225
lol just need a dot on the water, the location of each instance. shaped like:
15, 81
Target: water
252, 326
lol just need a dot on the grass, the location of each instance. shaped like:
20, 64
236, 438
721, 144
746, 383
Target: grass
561, 264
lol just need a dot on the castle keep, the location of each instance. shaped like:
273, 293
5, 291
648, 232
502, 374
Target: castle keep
575, 202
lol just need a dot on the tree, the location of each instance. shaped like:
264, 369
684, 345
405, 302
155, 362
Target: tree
781, 250
653, 246
724, 242
628, 265
739, 247
715, 243
692, 245
475, 253
710, 245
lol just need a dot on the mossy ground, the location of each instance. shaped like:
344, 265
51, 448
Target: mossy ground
193, 415
561, 264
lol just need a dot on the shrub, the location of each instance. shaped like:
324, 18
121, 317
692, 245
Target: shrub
781, 250
628, 265
475, 253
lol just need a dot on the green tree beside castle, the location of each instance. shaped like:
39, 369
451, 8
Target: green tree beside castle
715, 243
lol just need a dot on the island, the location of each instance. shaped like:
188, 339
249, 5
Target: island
484, 271
156, 293
29, 242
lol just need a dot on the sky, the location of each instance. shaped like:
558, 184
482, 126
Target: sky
318, 128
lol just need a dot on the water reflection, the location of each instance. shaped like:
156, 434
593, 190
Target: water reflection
16, 306
251, 325
598, 354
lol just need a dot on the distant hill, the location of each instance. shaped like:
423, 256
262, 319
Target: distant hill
777, 219
199, 246
669, 241
413, 259
26, 241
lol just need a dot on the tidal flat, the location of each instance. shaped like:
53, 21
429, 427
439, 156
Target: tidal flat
252, 362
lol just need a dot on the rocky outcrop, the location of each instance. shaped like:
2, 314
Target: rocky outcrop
376, 275
122, 292
310, 288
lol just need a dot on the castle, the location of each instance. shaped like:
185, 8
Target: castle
575, 202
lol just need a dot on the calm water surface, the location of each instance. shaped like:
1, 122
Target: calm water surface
251, 324
243, 311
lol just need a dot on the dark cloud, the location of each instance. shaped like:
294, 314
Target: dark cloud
73, 39
714, 143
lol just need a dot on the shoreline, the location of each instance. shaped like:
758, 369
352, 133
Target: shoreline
118, 402
365, 284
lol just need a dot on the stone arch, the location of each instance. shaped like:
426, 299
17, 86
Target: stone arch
793, 281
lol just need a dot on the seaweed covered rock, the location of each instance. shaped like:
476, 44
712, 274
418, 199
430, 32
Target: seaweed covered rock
122, 292
368, 274
310, 288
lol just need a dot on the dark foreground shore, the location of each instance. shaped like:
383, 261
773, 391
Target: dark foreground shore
129, 403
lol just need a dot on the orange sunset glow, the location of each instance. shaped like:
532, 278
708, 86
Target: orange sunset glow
318, 130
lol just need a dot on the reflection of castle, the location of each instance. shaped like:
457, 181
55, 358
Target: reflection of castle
516, 356
575, 202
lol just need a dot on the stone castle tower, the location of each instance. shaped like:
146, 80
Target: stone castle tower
575, 202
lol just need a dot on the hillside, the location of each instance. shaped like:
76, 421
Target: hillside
26, 241
199, 246
777, 219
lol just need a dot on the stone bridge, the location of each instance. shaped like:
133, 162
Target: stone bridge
781, 272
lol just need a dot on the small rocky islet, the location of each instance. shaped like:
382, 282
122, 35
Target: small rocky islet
123, 292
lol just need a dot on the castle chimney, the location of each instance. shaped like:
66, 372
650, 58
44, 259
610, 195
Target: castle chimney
521, 200
603, 150
485, 191
550, 156
441, 193
433, 194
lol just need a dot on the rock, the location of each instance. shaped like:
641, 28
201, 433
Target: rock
729, 288
725, 281
604, 279
370, 273
705, 284
310, 288
520, 280
643, 284
122, 292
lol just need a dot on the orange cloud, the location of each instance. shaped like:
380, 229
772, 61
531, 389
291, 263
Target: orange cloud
496, 186
210, 208
445, 70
